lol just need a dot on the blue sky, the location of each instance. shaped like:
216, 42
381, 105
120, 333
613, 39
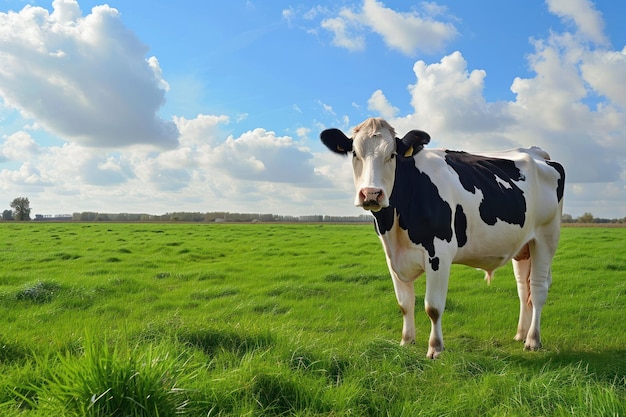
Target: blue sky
197, 106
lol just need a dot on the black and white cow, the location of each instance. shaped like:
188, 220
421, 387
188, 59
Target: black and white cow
436, 207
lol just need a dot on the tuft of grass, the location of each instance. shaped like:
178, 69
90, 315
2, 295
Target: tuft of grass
11, 352
39, 292
113, 381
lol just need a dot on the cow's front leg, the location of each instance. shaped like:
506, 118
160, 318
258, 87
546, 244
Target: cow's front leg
435, 303
405, 294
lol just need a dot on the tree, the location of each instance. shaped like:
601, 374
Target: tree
7, 215
21, 208
586, 218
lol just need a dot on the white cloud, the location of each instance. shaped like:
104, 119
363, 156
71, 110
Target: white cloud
552, 108
448, 99
73, 165
303, 132
203, 129
343, 37
27, 175
86, 79
207, 172
379, 103
326, 107
605, 71
260, 155
557, 87
409, 32
19, 146
549, 111
582, 13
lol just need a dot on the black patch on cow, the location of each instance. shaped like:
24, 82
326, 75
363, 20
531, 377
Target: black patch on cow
460, 226
502, 198
384, 220
434, 263
560, 186
421, 210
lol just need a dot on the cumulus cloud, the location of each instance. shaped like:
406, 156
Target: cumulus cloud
74, 163
583, 14
203, 129
19, 146
343, 33
428, 30
260, 155
407, 32
85, 78
379, 103
549, 111
208, 171
573, 105
553, 107
448, 99
28, 175
604, 71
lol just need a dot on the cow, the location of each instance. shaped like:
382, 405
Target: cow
435, 207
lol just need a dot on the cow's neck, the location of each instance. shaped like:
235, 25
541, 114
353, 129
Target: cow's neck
416, 205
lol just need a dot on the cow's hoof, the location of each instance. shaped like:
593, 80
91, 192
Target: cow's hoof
433, 354
532, 346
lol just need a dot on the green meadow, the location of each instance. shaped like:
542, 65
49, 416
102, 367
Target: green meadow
113, 319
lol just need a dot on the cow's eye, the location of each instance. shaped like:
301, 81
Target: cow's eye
393, 155
354, 154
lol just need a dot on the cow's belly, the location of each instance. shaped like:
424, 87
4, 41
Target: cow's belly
486, 249
492, 252
488, 263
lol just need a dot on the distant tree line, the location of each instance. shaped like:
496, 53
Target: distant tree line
20, 211
589, 218
184, 216
222, 216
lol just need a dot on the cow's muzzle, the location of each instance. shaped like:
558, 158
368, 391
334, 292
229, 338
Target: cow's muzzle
371, 198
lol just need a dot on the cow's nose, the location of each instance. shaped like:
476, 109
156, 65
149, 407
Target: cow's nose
371, 195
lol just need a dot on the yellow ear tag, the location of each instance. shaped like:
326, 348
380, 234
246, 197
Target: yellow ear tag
409, 152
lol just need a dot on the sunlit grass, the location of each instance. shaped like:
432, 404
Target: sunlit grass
103, 380
290, 320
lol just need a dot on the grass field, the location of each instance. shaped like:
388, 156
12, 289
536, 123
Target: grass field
278, 319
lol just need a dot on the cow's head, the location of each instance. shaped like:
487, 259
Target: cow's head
374, 149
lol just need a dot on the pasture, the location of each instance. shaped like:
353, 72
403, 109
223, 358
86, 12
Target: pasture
279, 319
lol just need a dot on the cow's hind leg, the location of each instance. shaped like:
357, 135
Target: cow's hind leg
542, 250
521, 268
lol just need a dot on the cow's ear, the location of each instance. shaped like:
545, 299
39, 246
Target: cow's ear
412, 143
336, 141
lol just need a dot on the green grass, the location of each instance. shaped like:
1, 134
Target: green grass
268, 320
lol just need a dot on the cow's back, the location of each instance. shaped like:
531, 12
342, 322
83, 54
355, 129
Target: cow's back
476, 209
